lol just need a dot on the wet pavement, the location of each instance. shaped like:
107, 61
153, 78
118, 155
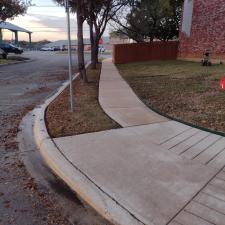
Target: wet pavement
29, 193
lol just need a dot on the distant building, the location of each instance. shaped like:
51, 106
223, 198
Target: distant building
119, 38
203, 29
62, 44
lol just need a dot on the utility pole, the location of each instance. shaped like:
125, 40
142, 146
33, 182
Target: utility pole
67, 7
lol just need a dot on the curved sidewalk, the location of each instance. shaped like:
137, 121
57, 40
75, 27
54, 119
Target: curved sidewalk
119, 101
153, 171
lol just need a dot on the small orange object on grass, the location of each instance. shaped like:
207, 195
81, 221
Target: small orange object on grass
222, 83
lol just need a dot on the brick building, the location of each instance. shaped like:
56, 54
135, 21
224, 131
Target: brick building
203, 28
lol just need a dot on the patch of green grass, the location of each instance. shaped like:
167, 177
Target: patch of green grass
12, 59
174, 68
183, 90
17, 58
5, 61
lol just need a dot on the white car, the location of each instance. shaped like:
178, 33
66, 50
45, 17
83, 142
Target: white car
46, 49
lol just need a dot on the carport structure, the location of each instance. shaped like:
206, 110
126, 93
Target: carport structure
15, 29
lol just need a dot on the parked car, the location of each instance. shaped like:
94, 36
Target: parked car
45, 49
52, 49
3, 54
55, 48
9, 48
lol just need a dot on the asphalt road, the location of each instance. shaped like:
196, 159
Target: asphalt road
17, 80
24, 200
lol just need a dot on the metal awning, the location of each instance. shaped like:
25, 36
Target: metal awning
12, 27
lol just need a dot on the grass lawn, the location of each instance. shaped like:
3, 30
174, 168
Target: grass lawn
88, 115
12, 59
182, 90
5, 61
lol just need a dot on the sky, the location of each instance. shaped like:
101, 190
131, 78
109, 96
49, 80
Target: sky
47, 21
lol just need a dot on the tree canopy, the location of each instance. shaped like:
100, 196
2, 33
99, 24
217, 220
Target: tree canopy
12, 8
151, 19
97, 14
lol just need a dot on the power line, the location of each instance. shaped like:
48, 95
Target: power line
44, 31
44, 27
46, 6
43, 13
52, 31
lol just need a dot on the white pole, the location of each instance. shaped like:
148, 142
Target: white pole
69, 54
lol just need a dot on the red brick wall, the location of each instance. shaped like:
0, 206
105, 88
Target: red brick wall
136, 52
208, 30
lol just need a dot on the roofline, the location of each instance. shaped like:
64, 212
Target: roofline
19, 29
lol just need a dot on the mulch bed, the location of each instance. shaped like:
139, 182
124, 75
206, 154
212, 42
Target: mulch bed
88, 115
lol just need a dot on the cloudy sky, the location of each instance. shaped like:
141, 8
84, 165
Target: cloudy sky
47, 21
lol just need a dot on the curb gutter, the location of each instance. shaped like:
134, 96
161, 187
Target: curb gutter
72, 176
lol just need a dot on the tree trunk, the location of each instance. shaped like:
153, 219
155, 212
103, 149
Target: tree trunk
95, 48
92, 40
80, 52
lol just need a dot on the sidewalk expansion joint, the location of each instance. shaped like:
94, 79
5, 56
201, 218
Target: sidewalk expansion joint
202, 139
207, 147
183, 208
199, 217
189, 128
145, 124
198, 131
214, 156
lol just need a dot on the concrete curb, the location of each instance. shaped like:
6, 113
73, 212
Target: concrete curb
105, 205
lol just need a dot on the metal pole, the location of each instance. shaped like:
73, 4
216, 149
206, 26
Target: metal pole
16, 38
69, 54
30, 40
1, 35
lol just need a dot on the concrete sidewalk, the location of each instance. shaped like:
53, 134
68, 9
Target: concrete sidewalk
119, 101
152, 171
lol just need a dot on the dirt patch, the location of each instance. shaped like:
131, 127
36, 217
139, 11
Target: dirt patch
13, 168
17, 58
37, 91
59, 76
15, 182
182, 90
88, 115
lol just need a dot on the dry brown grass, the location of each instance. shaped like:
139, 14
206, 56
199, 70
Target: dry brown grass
182, 90
88, 115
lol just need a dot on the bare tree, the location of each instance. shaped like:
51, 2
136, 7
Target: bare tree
100, 12
97, 13
81, 17
80, 8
